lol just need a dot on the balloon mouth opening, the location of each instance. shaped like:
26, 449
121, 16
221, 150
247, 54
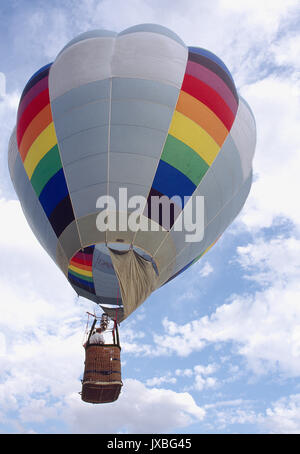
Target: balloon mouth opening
120, 246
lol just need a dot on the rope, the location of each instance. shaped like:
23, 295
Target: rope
117, 308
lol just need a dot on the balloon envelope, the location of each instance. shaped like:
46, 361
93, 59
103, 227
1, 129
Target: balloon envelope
137, 110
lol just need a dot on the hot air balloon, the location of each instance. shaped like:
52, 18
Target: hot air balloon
142, 112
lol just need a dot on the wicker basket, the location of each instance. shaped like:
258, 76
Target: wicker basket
102, 374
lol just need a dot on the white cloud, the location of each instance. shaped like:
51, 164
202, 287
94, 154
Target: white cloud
157, 381
256, 323
205, 270
138, 410
284, 416
274, 193
271, 262
280, 417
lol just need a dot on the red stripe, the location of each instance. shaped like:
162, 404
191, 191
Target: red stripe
209, 97
81, 265
84, 259
36, 105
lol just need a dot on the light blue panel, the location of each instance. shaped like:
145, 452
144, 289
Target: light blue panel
148, 90
84, 201
216, 227
227, 169
210, 189
102, 262
141, 113
33, 210
105, 284
82, 118
86, 172
153, 28
84, 144
137, 140
240, 198
132, 190
127, 168
80, 96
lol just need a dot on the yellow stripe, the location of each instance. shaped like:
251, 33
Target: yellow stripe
81, 271
194, 136
42, 144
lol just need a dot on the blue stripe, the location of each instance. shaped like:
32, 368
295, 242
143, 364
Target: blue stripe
171, 182
54, 191
39, 71
79, 281
211, 56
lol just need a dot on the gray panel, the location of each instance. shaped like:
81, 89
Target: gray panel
84, 201
137, 140
216, 227
132, 189
84, 143
243, 133
102, 262
240, 197
85, 172
79, 96
228, 170
84, 117
131, 168
88, 231
141, 113
33, 210
70, 241
210, 189
148, 90
105, 284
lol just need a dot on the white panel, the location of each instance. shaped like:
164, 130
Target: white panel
149, 56
82, 63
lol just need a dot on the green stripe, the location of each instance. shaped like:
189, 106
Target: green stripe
184, 159
81, 276
46, 168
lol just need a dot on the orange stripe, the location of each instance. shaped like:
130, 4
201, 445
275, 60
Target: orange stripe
203, 116
34, 129
79, 265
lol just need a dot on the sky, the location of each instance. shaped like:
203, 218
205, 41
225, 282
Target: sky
217, 350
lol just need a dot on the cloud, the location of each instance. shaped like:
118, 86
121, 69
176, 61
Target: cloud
139, 410
280, 417
284, 416
274, 193
255, 323
206, 269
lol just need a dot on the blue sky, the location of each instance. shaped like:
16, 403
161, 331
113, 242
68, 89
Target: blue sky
218, 349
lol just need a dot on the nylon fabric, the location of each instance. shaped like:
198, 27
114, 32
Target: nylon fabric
136, 276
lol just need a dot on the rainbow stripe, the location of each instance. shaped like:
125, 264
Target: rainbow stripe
80, 270
38, 148
206, 108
